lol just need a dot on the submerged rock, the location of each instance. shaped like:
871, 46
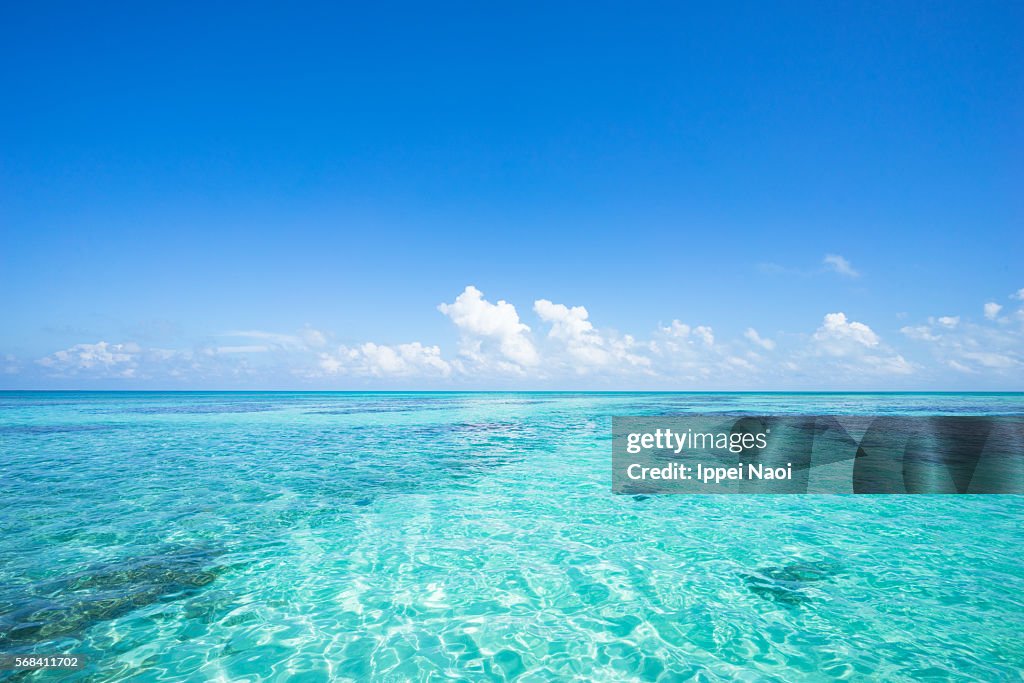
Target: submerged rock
70, 605
787, 584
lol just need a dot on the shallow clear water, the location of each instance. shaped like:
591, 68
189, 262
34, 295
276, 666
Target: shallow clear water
282, 536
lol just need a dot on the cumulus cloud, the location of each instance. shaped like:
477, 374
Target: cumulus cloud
705, 334
692, 355
588, 348
752, 335
496, 345
101, 358
381, 360
129, 360
837, 334
679, 330
483, 324
856, 348
840, 265
571, 327
1018, 295
972, 348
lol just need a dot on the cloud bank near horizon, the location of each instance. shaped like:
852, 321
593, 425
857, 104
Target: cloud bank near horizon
561, 347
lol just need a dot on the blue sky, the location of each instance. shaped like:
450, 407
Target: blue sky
728, 197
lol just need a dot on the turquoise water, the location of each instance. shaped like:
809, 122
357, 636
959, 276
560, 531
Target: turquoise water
309, 537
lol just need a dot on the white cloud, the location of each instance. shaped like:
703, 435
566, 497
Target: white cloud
104, 360
567, 323
381, 360
920, 332
838, 264
314, 339
1019, 294
992, 359
754, 337
482, 323
586, 346
692, 356
992, 310
305, 339
740, 363
101, 358
972, 348
571, 327
959, 367
837, 333
496, 347
679, 330
889, 365
704, 333
856, 349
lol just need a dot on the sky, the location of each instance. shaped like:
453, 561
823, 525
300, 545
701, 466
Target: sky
814, 196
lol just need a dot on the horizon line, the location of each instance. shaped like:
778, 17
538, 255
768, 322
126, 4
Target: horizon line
504, 391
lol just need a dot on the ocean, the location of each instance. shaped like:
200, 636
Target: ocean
473, 536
